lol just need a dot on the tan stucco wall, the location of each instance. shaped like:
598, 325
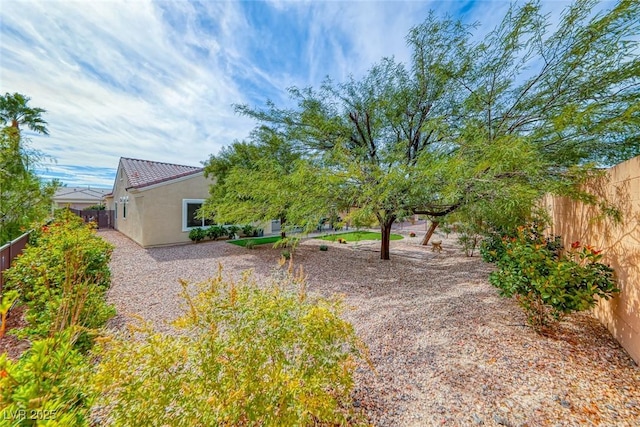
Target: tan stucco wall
131, 225
163, 210
154, 213
620, 242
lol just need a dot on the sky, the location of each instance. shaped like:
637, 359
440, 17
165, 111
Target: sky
158, 80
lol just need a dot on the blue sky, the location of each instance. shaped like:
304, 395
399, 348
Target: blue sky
157, 80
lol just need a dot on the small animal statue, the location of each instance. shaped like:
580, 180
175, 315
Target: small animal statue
436, 245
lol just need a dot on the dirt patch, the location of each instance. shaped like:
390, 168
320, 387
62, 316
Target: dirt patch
9, 344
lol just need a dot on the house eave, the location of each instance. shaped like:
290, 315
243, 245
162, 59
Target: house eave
134, 189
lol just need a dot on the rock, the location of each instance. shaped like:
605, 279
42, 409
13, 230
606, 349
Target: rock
501, 421
477, 419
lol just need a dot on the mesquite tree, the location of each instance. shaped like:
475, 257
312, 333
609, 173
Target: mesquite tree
262, 179
490, 125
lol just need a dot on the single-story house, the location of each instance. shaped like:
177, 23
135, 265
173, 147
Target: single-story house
79, 197
155, 203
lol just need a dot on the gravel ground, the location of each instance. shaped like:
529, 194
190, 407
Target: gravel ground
447, 350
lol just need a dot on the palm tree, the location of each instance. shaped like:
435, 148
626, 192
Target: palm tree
14, 110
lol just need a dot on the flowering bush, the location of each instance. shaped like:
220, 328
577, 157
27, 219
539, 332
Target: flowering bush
549, 283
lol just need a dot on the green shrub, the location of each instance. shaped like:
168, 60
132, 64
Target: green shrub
7, 299
493, 246
250, 355
286, 254
214, 232
547, 283
197, 234
249, 230
250, 244
45, 385
324, 248
232, 231
62, 278
95, 208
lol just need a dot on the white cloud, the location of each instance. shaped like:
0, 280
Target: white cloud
157, 80
117, 81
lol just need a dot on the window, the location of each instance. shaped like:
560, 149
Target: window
189, 210
124, 210
115, 210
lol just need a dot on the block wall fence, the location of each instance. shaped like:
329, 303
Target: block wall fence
575, 221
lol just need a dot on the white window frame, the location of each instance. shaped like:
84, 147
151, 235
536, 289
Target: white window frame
186, 202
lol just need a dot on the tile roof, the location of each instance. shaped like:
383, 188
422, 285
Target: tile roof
85, 194
142, 173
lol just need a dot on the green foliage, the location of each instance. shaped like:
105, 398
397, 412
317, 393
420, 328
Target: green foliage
213, 232
95, 208
286, 254
258, 241
197, 234
324, 248
250, 244
249, 355
546, 282
469, 241
14, 112
265, 179
62, 277
249, 230
356, 236
493, 124
24, 198
45, 386
288, 242
7, 299
232, 231
470, 231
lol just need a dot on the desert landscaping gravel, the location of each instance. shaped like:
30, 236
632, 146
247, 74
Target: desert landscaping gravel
447, 350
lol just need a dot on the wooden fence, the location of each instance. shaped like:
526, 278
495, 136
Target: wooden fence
103, 218
9, 251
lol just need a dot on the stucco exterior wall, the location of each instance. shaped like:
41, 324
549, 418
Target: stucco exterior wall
154, 214
162, 207
575, 221
129, 225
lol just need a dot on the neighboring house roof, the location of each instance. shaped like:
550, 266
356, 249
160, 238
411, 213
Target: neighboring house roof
142, 173
80, 195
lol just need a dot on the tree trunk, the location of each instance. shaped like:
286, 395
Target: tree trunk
385, 228
432, 228
283, 234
